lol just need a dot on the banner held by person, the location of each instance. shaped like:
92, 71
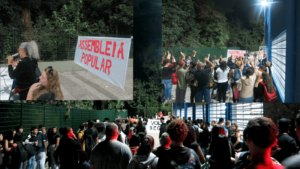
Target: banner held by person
153, 126
105, 57
235, 53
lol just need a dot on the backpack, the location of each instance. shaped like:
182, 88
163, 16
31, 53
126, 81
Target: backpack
175, 78
89, 143
189, 77
269, 97
21, 154
191, 163
144, 166
236, 75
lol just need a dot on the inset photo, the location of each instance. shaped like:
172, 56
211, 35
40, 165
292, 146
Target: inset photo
70, 50
229, 51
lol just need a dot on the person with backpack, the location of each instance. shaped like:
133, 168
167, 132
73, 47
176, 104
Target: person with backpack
166, 74
202, 77
178, 155
19, 153
110, 153
144, 158
42, 148
31, 144
235, 74
266, 90
191, 142
90, 137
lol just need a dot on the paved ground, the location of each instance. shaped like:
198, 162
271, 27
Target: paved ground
213, 97
83, 85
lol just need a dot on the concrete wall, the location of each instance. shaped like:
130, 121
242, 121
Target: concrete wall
68, 66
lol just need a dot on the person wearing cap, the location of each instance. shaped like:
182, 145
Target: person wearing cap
286, 143
182, 85
202, 77
293, 161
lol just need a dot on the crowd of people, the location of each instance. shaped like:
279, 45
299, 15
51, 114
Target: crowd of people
184, 143
29, 82
250, 79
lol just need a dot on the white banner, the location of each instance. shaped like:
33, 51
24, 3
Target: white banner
235, 53
105, 57
153, 126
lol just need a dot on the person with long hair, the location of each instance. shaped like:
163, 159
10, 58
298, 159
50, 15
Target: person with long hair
246, 85
267, 80
48, 88
66, 154
8, 143
144, 156
259, 78
222, 82
235, 74
191, 142
53, 139
16, 161
235, 137
25, 71
204, 138
140, 127
134, 143
221, 150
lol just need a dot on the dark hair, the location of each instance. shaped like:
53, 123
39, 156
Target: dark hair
283, 125
162, 118
135, 140
10, 135
166, 61
18, 128
195, 122
140, 123
106, 119
191, 137
263, 68
81, 126
41, 126
95, 120
262, 131
90, 124
64, 131
189, 118
177, 130
146, 145
223, 65
17, 138
249, 72
269, 82
33, 128
221, 120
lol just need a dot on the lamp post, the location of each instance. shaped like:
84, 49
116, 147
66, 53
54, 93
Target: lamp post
267, 22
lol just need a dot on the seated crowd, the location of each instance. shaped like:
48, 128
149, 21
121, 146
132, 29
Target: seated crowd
249, 79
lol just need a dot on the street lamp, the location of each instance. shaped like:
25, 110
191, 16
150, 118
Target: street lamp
264, 3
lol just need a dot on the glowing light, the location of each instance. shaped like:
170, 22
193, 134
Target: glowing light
264, 3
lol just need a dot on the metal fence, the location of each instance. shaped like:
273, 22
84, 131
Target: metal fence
201, 52
28, 115
52, 47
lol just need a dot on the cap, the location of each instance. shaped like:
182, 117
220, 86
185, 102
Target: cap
181, 63
237, 64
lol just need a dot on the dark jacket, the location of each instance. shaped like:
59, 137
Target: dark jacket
163, 128
24, 73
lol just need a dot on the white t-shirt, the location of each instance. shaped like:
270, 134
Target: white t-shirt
223, 75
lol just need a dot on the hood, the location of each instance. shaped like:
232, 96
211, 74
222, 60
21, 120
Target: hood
145, 159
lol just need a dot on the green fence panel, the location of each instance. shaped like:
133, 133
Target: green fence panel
85, 115
64, 121
52, 117
10, 116
123, 114
33, 115
76, 116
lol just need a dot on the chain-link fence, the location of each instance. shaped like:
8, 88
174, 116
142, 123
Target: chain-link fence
28, 115
52, 47
201, 52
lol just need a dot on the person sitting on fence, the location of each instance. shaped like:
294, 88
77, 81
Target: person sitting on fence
48, 88
26, 71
